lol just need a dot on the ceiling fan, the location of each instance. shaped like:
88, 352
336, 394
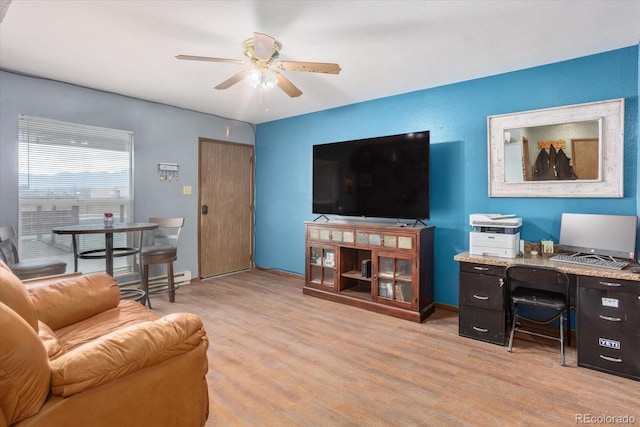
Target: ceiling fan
262, 51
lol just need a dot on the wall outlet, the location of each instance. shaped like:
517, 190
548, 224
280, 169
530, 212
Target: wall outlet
186, 190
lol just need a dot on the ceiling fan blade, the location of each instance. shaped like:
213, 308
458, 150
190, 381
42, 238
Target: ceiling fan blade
286, 85
210, 59
263, 46
233, 80
311, 67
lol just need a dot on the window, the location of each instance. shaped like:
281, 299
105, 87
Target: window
72, 174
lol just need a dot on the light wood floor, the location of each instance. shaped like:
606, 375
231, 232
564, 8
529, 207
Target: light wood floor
278, 357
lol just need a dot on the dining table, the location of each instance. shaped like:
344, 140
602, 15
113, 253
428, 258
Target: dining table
109, 252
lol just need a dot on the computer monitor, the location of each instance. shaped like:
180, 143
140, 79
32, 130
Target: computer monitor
608, 235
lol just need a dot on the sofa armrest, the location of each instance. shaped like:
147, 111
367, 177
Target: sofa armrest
36, 282
125, 351
74, 299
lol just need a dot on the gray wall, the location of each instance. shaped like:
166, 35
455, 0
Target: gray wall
161, 134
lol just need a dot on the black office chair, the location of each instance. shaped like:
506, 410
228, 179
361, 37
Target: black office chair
541, 287
25, 269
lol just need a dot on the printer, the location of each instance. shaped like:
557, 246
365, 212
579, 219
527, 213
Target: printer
495, 235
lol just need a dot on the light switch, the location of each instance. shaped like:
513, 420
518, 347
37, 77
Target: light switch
186, 190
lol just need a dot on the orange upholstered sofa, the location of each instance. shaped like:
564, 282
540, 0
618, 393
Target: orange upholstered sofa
73, 354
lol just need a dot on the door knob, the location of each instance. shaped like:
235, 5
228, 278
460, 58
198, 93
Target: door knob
205, 209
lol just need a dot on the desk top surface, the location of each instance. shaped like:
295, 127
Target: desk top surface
102, 229
543, 260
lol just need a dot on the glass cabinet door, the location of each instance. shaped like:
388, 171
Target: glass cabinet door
322, 266
395, 279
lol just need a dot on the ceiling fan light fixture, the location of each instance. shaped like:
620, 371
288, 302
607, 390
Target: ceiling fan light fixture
259, 78
269, 80
254, 77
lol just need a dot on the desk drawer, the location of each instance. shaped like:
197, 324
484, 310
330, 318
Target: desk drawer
482, 324
607, 283
609, 309
612, 352
481, 290
493, 270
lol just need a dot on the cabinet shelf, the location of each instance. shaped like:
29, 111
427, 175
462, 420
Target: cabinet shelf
320, 282
329, 267
397, 277
362, 290
355, 274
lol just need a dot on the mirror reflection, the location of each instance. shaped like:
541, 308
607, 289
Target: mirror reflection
565, 151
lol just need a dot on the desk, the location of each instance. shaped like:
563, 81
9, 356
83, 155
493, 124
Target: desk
607, 307
108, 253
544, 261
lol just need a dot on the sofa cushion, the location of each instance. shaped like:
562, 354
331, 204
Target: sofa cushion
25, 374
125, 314
75, 299
15, 296
50, 341
125, 351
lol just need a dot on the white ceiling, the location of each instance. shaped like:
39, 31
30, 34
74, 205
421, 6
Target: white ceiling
383, 47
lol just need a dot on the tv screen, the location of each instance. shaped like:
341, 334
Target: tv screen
609, 235
383, 177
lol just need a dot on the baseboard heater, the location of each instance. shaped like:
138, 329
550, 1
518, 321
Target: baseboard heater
157, 282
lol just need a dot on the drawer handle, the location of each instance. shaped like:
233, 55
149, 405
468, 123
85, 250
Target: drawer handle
610, 319
611, 284
480, 297
481, 268
611, 359
475, 328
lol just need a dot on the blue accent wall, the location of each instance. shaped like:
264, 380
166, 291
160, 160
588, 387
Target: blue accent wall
456, 116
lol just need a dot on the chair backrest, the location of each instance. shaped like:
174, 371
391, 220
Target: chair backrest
8, 248
537, 277
168, 231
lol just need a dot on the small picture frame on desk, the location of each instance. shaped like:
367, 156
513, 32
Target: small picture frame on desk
546, 246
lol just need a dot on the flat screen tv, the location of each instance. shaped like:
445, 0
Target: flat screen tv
608, 235
382, 177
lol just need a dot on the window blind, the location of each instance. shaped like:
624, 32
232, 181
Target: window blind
71, 174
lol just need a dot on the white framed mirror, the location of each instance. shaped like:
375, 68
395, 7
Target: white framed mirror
569, 151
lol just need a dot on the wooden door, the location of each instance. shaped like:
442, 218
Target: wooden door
585, 156
225, 234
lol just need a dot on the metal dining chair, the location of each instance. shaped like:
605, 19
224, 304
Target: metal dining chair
163, 250
541, 287
25, 269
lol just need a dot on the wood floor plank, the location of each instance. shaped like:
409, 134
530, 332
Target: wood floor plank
281, 358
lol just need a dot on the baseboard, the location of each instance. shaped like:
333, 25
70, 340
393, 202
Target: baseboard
447, 307
180, 278
280, 272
